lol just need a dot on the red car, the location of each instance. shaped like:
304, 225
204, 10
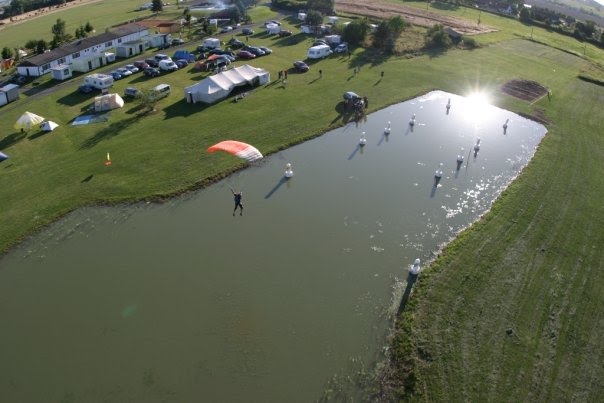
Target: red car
244, 54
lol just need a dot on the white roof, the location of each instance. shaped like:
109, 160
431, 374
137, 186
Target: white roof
220, 85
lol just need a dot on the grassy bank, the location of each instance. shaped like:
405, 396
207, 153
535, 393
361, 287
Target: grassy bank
509, 311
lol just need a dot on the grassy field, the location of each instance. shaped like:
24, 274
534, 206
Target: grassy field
508, 311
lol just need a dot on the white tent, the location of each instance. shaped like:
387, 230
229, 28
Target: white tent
107, 102
28, 120
48, 126
219, 86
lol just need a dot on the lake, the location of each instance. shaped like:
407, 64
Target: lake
292, 301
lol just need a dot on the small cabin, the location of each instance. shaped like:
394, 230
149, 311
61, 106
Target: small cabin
61, 72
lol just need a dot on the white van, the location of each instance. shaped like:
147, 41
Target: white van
161, 91
319, 52
167, 65
99, 81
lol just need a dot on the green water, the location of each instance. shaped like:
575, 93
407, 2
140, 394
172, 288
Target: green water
185, 302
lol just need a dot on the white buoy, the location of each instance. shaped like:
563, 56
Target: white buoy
505, 125
477, 145
460, 158
288, 170
439, 172
387, 129
412, 121
415, 267
362, 140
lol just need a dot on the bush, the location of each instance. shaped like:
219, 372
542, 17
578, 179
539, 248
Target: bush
436, 37
469, 42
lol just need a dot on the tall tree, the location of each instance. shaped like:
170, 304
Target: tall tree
324, 6
88, 28
41, 46
7, 53
58, 33
157, 6
314, 18
356, 32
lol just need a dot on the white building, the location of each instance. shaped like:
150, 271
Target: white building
83, 48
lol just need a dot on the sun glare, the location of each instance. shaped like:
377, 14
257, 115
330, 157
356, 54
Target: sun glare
478, 103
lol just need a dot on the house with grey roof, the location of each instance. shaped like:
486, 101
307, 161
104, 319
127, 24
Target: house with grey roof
93, 48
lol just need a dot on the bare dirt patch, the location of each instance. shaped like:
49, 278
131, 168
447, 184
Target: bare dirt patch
382, 9
524, 89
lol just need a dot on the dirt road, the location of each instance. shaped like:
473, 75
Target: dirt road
415, 16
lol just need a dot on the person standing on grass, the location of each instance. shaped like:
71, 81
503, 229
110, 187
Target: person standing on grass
237, 196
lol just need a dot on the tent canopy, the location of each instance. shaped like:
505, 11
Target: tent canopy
48, 126
107, 102
219, 86
28, 120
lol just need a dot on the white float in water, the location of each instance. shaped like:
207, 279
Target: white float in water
439, 172
288, 170
412, 121
460, 156
477, 145
415, 267
387, 129
363, 140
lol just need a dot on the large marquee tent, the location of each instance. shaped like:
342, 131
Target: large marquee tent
219, 86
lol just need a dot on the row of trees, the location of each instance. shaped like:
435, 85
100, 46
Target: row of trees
17, 7
564, 24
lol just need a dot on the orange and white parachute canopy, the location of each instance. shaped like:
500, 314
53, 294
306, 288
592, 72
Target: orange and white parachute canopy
241, 150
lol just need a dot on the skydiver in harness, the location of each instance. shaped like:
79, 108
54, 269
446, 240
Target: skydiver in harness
237, 197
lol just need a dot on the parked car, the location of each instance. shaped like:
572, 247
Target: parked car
341, 48
132, 92
151, 62
141, 64
132, 68
301, 67
116, 75
124, 72
247, 31
177, 41
272, 22
151, 72
204, 48
267, 51
253, 49
167, 65
226, 29
85, 89
160, 56
181, 63
235, 43
244, 54
285, 33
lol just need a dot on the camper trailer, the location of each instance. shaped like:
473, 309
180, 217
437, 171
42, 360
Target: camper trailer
99, 81
161, 91
211, 43
319, 52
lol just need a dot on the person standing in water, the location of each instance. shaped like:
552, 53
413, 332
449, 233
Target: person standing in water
237, 197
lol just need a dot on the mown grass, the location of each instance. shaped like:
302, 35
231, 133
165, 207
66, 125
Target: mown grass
101, 15
509, 311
